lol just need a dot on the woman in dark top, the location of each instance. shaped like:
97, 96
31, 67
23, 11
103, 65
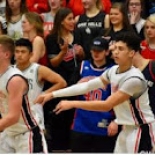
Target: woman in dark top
119, 21
89, 24
64, 56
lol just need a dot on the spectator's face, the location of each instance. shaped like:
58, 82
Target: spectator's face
150, 29
135, 6
99, 56
116, 16
14, 4
88, 3
68, 23
26, 25
54, 4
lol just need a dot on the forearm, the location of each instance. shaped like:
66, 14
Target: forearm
79, 89
56, 87
55, 61
91, 105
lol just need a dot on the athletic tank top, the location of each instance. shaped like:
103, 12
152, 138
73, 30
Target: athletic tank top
26, 121
35, 89
151, 85
134, 111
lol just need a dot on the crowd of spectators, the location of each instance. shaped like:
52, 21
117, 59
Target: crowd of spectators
62, 33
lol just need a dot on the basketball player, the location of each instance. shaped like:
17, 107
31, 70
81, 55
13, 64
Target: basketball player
129, 98
19, 130
36, 75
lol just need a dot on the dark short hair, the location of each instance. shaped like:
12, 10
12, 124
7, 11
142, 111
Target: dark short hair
131, 40
24, 42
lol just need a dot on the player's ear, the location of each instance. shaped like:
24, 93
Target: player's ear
132, 53
7, 54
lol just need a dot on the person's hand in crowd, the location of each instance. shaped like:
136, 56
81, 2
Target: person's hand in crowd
133, 17
79, 51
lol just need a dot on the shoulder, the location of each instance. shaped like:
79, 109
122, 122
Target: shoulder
17, 79
77, 18
38, 39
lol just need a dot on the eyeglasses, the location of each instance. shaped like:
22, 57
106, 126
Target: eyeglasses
134, 4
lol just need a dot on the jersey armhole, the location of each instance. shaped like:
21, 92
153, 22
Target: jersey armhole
152, 69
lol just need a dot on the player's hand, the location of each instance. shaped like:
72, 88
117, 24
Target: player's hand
43, 98
112, 129
63, 105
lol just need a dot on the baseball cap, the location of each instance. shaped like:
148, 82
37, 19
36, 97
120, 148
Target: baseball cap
100, 44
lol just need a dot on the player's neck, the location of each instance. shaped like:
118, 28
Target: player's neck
22, 67
4, 67
124, 68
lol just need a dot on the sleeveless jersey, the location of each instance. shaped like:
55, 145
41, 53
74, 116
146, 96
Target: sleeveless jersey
151, 85
26, 121
88, 121
133, 111
35, 89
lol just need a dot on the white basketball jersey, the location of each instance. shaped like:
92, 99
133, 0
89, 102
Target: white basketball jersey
35, 89
131, 112
26, 121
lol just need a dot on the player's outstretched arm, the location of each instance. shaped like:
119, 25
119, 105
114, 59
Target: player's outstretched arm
74, 90
95, 105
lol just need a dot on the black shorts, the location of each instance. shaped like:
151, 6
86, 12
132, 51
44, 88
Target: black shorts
82, 142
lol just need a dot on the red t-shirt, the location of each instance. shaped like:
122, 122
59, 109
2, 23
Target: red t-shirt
41, 8
146, 51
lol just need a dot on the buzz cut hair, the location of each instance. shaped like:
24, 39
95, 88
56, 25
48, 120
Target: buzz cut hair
7, 43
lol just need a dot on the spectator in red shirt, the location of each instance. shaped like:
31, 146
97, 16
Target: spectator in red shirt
148, 45
38, 6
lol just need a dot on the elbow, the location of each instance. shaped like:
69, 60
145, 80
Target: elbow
106, 108
64, 84
54, 63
